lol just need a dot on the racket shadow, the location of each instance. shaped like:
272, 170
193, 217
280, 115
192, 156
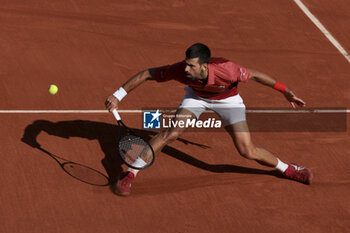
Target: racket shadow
79, 171
107, 135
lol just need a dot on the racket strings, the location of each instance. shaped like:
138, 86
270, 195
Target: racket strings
133, 147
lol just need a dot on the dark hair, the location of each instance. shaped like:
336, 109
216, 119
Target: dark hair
199, 50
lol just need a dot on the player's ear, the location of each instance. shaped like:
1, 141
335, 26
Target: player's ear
205, 66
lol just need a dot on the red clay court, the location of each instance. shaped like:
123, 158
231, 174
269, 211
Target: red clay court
198, 183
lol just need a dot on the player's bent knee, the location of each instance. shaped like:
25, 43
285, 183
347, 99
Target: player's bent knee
170, 135
173, 135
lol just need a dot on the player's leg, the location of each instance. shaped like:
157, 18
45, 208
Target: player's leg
240, 134
171, 134
163, 138
232, 113
241, 137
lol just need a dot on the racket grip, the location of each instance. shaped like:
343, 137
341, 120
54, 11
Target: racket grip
116, 115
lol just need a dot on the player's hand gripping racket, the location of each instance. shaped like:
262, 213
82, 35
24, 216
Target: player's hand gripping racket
135, 151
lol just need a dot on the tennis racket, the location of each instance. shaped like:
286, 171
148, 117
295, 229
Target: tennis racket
135, 151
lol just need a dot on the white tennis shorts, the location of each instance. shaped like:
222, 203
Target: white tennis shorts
231, 110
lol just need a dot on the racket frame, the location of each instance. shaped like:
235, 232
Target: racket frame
131, 132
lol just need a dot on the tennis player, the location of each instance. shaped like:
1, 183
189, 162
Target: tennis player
211, 84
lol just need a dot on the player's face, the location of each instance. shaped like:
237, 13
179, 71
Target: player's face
194, 70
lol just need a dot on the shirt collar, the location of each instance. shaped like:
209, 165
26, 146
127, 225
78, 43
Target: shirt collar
211, 74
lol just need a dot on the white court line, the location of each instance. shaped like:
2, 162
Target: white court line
323, 29
301, 111
64, 111
140, 111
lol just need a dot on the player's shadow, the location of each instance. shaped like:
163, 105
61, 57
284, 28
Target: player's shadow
107, 135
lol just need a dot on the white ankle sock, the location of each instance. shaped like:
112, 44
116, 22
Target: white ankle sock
134, 171
282, 167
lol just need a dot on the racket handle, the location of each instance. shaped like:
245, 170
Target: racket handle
116, 115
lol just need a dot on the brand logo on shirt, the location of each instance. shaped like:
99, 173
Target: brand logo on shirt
243, 73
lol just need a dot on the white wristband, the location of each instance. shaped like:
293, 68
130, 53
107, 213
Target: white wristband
120, 94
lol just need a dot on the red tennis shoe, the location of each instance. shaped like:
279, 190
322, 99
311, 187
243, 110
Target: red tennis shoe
123, 187
298, 173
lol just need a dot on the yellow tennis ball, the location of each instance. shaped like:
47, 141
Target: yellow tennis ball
53, 89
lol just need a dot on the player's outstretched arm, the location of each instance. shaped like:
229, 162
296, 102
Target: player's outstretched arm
271, 82
136, 80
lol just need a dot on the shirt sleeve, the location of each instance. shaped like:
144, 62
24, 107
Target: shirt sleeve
230, 72
238, 73
170, 72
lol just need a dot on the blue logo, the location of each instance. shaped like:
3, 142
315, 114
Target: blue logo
151, 119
